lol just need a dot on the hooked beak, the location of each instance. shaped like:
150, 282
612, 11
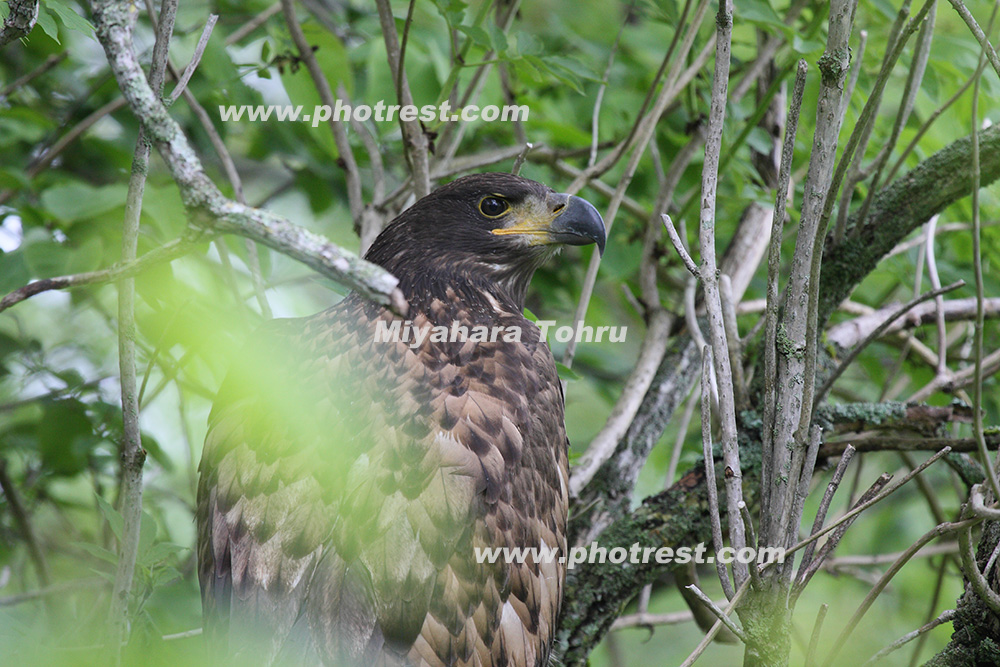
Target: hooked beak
568, 219
578, 223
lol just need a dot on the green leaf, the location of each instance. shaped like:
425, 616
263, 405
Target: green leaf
98, 552
452, 11
65, 437
14, 271
70, 18
479, 36
112, 516
46, 259
498, 40
759, 11
147, 535
806, 46
75, 201
760, 140
161, 551
153, 448
565, 372
48, 26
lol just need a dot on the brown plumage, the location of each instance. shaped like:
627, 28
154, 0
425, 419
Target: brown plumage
346, 482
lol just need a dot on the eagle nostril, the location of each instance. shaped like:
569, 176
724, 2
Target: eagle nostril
559, 208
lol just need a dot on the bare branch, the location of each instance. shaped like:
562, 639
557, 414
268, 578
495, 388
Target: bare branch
709, 459
19, 22
414, 140
675, 239
201, 195
816, 632
519, 160
980, 36
710, 635
721, 615
603, 445
354, 196
824, 506
164, 253
978, 430
199, 51
49, 63
253, 24
773, 268
879, 330
133, 456
941, 529
945, 617
23, 522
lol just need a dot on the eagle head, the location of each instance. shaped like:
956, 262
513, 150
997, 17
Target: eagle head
491, 229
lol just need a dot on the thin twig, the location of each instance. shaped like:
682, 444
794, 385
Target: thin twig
937, 531
977, 261
980, 36
199, 51
824, 505
639, 380
682, 428
977, 505
857, 349
710, 285
644, 134
133, 456
945, 617
773, 268
165, 253
740, 390
752, 542
721, 615
23, 522
521, 157
414, 140
25, 79
351, 175
254, 23
709, 458
596, 114
220, 214
815, 635
858, 508
54, 589
710, 635
838, 534
675, 239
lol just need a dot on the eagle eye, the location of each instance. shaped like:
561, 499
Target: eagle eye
493, 207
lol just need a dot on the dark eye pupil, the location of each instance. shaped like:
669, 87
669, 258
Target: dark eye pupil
492, 206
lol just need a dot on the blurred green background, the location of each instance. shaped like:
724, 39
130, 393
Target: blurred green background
60, 415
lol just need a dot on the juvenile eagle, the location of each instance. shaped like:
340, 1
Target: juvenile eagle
347, 481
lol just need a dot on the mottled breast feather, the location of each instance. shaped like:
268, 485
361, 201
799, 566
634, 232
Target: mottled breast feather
346, 483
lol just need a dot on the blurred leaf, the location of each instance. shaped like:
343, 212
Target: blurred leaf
65, 437
565, 372
153, 448
14, 271
98, 552
69, 18
112, 516
75, 201
47, 259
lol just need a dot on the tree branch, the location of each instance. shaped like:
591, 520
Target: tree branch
901, 207
205, 202
20, 21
